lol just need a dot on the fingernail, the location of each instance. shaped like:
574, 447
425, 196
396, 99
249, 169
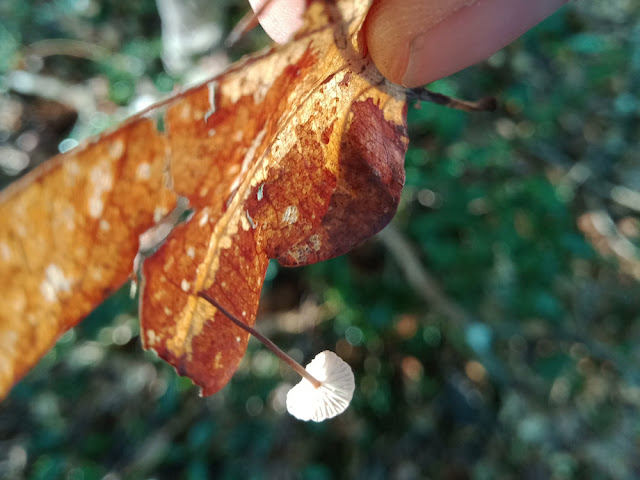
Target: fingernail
413, 74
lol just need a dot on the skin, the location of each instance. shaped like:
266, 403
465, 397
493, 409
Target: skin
415, 42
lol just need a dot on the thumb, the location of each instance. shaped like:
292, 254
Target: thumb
414, 42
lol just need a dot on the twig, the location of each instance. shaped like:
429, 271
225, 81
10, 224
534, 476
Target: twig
487, 104
427, 287
68, 47
419, 279
79, 97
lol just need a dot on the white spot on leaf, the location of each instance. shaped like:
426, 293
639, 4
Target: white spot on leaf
71, 172
116, 149
158, 214
53, 283
101, 181
185, 285
225, 242
143, 172
151, 338
96, 274
204, 217
290, 215
95, 207
168, 264
314, 242
66, 217
5, 251
185, 112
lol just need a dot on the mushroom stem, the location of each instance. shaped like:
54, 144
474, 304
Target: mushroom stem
267, 343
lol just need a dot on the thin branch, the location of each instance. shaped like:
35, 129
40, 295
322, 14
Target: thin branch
425, 285
419, 279
487, 104
72, 48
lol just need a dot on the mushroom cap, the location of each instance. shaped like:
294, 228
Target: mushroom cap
306, 402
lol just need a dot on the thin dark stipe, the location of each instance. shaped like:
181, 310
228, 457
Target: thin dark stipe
268, 343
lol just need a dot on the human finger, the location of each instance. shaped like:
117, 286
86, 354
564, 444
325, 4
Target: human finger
280, 18
414, 42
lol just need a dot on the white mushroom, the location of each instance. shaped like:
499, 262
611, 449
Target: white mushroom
327, 384
308, 402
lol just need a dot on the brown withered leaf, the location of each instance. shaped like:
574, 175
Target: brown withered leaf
295, 153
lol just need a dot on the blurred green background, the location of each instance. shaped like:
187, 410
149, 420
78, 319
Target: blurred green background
492, 329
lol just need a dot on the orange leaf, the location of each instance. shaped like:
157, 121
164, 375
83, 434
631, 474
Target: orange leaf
295, 153
69, 233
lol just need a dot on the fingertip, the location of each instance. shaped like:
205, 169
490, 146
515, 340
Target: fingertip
388, 30
280, 19
415, 42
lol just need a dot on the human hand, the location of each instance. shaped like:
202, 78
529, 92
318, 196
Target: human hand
415, 42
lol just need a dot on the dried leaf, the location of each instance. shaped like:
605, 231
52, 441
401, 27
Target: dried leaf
295, 153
